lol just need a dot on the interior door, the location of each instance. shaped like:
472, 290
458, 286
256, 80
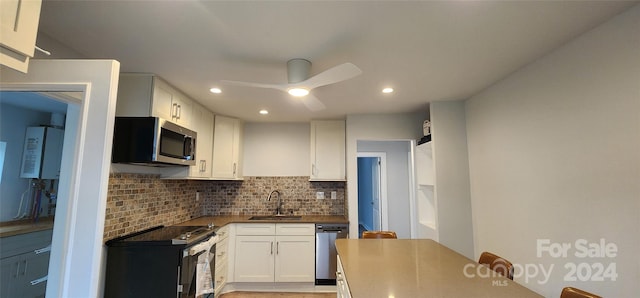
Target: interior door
370, 191
375, 193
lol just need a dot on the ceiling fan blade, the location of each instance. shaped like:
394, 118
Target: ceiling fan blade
332, 75
312, 103
282, 87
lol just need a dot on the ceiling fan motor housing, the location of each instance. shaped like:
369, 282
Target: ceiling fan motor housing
298, 70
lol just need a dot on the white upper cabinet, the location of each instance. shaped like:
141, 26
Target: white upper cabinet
327, 151
203, 125
19, 28
227, 137
141, 95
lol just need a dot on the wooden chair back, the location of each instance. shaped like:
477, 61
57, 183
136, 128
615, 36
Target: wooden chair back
497, 264
379, 234
570, 292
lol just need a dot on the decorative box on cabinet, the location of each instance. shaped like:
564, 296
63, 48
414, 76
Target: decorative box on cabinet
327, 151
18, 31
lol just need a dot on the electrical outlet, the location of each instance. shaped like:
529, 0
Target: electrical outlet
334, 195
197, 196
320, 195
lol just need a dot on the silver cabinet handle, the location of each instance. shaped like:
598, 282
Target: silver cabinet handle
234, 169
39, 280
174, 110
24, 272
278, 247
179, 112
271, 247
42, 250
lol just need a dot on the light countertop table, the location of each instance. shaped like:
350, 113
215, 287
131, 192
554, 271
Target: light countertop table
418, 268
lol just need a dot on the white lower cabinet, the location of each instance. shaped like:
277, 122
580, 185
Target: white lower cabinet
274, 253
342, 287
222, 260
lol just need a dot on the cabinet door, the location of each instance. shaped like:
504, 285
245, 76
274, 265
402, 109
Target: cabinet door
162, 100
254, 261
37, 268
9, 271
226, 148
327, 151
203, 125
341, 282
182, 110
18, 29
295, 259
17, 272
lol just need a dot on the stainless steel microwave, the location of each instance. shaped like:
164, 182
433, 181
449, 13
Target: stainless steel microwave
152, 141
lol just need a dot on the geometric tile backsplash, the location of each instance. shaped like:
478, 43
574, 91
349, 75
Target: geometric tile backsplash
140, 201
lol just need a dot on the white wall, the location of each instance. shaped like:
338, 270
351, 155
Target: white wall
13, 124
374, 127
276, 149
455, 228
554, 152
398, 182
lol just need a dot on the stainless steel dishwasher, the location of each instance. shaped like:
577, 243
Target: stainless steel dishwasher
326, 261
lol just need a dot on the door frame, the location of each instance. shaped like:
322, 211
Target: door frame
77, 262
382, 204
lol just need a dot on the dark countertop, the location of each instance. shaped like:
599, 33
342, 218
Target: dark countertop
221, 220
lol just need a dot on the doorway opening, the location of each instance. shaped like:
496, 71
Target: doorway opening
32, 127
371, 191
391, 180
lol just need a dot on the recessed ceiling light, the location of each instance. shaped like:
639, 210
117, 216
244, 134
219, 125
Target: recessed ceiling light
264, 112
215, 90
387, 90
298, 92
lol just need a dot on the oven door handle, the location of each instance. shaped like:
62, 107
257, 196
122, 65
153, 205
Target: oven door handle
203, 246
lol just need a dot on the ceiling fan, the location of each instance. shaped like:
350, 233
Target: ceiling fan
300, 84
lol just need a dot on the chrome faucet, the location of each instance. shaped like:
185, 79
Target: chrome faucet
279, 208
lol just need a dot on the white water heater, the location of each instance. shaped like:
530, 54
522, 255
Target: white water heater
42, 153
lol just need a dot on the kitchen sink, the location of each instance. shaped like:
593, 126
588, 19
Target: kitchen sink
276, 217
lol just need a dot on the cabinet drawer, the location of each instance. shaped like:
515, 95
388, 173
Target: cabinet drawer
223, 232
302, 229
19, 244
251, 229
222, 250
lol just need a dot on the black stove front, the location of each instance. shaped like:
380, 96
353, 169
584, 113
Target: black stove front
150, 263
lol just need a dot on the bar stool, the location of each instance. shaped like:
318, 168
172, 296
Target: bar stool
379, 235
570, 292
497, 264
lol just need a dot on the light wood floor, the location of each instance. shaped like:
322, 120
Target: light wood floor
276, 295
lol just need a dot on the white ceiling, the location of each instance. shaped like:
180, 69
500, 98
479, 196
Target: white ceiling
426, 50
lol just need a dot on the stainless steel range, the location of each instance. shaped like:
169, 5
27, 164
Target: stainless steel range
162, 262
